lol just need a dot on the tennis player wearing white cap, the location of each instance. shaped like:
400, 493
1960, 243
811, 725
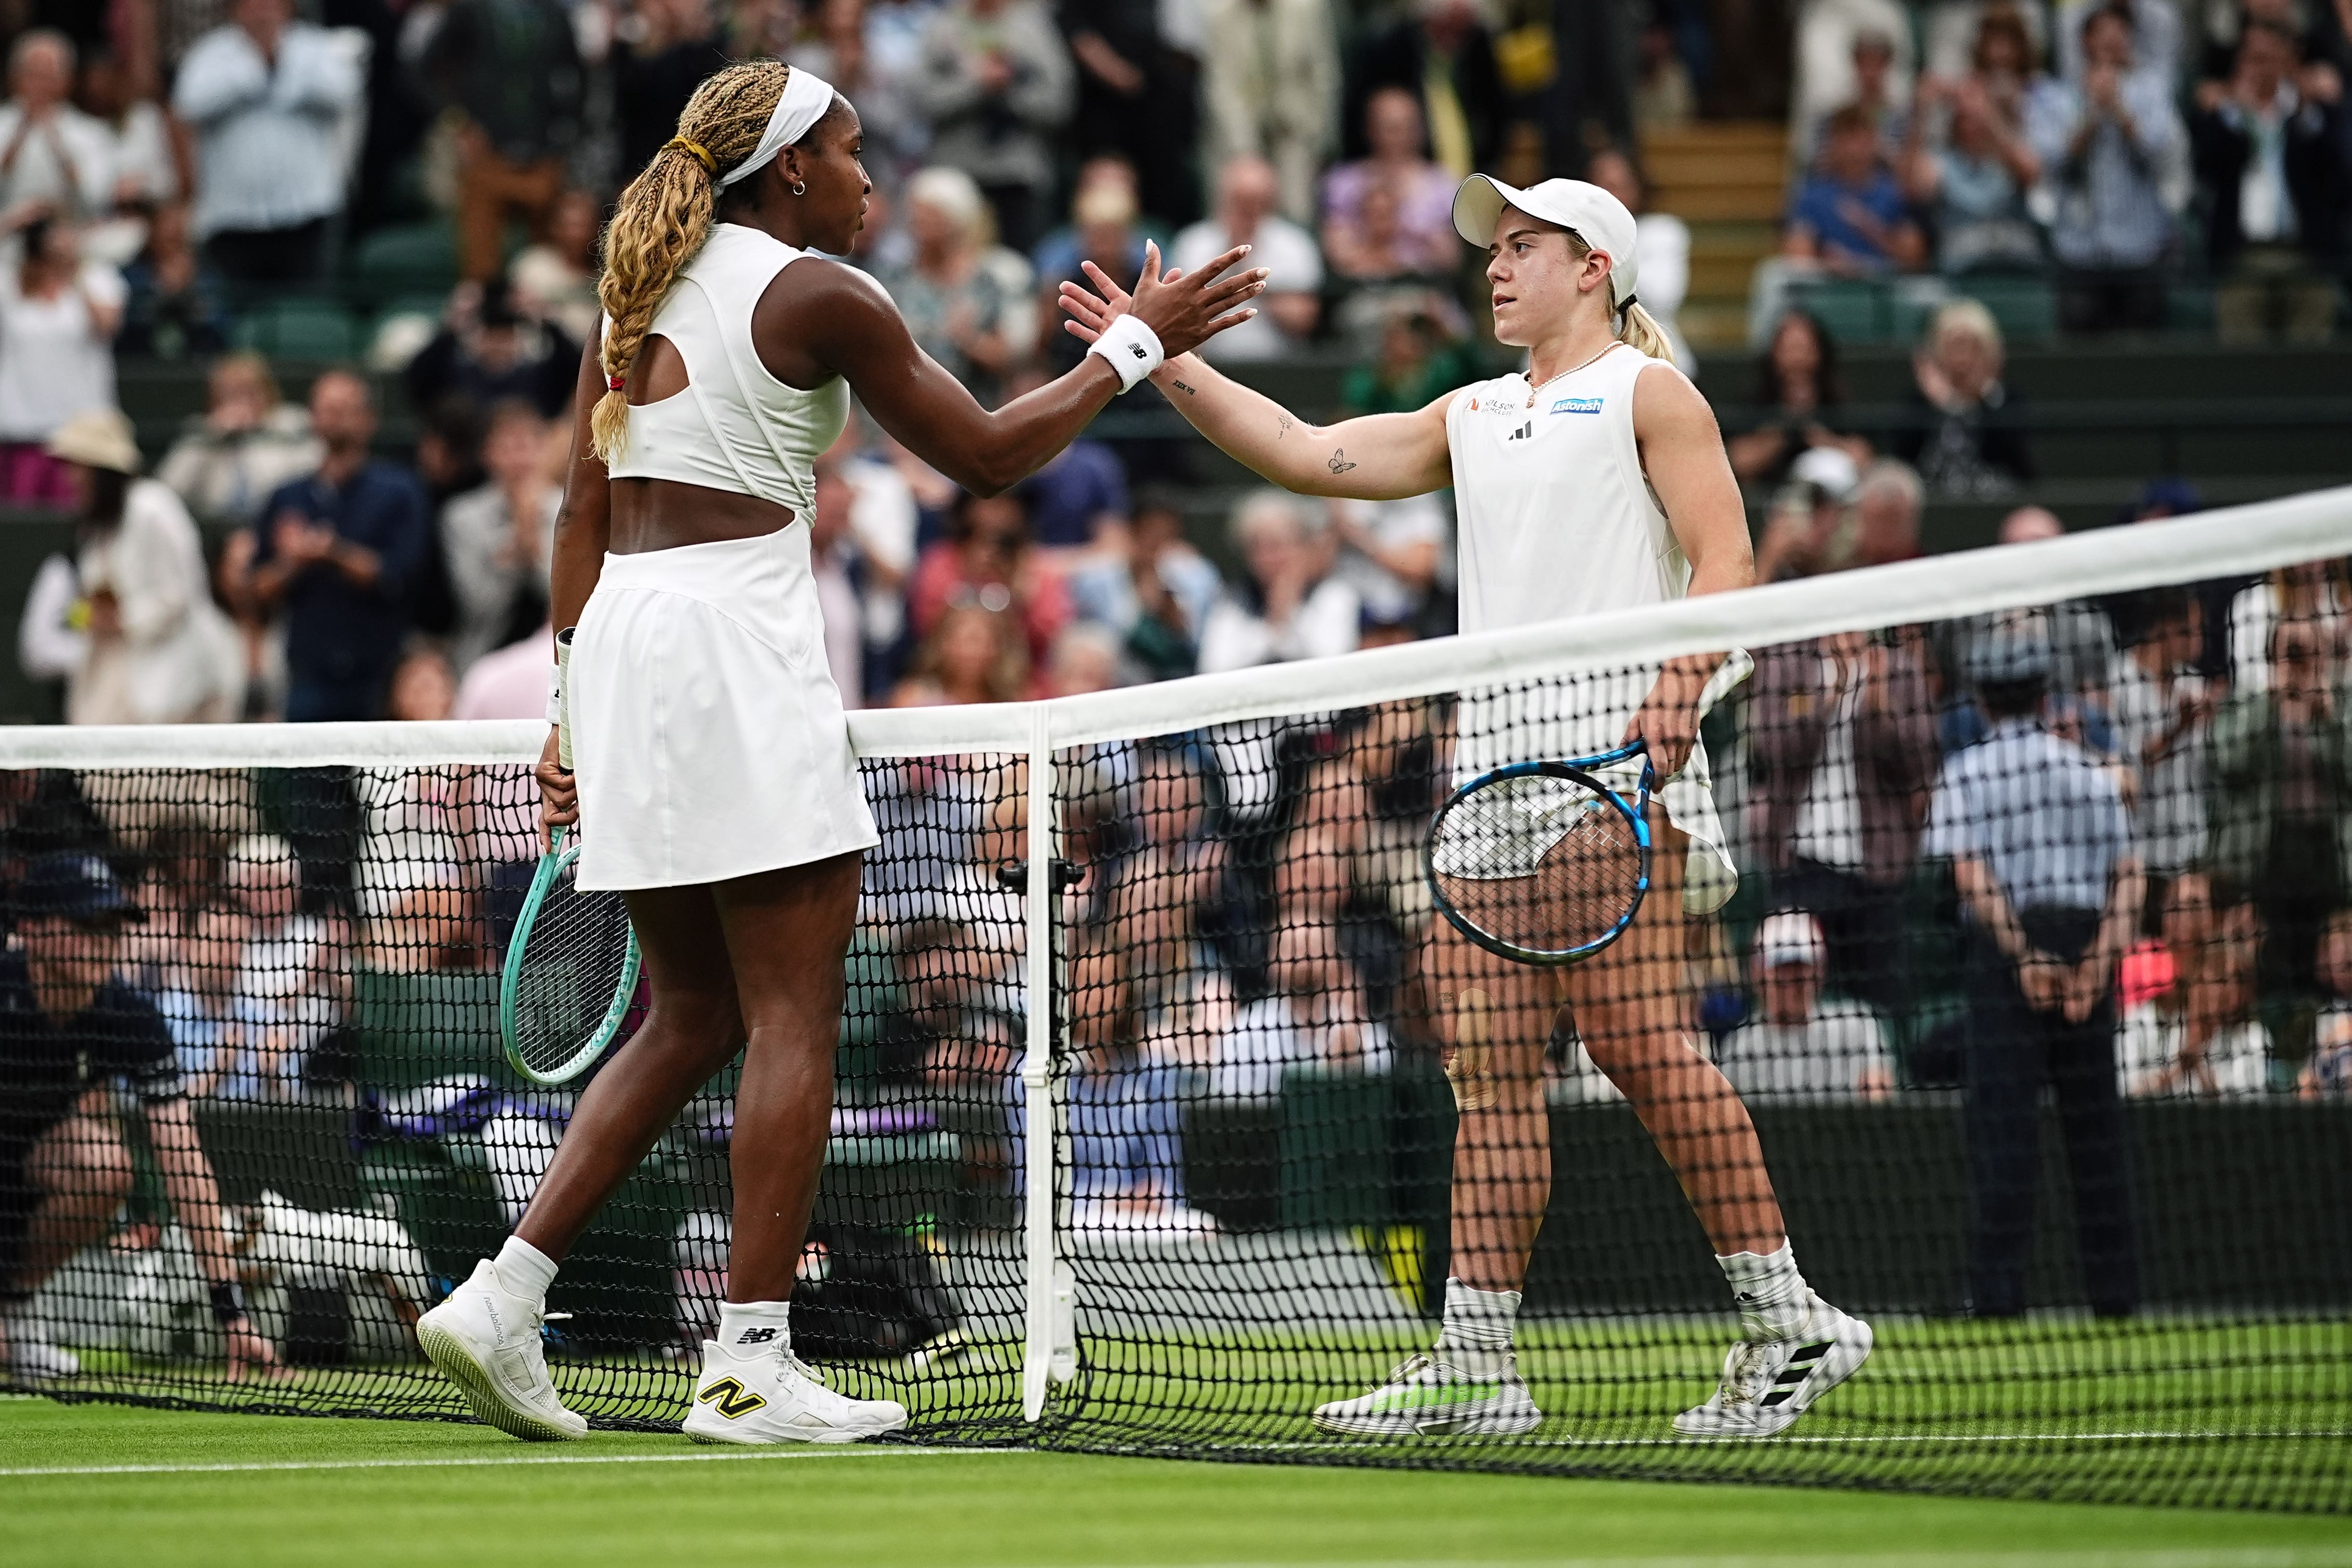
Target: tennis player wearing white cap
715, 786
1595, 481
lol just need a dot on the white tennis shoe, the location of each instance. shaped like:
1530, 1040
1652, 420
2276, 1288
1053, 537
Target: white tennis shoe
1768, 1383
1426, 1397
31, 1357
485, 1339
767, 1395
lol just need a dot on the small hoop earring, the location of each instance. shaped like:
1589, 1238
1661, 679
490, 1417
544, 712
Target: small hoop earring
799, 189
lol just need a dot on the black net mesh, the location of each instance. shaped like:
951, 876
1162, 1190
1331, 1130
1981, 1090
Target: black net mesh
2026, 1017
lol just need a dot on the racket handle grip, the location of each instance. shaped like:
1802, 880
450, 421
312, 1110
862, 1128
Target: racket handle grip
563, 697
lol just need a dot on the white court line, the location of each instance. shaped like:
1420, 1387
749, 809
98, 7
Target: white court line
840, 1451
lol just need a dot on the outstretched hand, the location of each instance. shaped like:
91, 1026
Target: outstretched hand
1184, 310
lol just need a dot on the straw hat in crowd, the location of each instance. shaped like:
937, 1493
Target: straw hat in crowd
100, 438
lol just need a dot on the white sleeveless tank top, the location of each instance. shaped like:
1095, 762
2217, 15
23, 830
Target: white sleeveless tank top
1556, 520
735, 427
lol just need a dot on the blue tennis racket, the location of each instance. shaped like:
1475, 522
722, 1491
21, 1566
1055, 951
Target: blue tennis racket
1546, 862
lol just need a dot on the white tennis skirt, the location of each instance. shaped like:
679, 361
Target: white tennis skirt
706, 733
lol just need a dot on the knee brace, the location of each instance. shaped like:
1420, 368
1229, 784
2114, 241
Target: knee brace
1470, 1064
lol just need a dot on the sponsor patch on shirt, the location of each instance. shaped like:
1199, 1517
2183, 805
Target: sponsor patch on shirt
1577, 406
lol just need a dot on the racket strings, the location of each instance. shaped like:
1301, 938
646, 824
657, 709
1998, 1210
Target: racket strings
575, 955
1551, 870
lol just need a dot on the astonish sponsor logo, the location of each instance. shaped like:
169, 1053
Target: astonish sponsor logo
1577, 406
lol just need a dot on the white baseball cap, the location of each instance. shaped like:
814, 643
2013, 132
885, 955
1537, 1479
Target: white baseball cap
1792, 936
1597, 218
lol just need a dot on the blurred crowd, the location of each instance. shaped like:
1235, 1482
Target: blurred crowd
2111, 146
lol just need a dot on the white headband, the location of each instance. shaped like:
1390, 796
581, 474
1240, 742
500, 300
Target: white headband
806, 99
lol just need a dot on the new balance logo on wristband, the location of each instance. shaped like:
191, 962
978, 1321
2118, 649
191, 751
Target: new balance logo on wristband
756, 1336
1137, 351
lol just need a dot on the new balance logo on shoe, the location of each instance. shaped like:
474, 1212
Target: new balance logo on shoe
756, 1336
730, 1398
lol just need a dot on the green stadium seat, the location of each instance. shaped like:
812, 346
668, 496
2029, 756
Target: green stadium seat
2026, 308
412, 258
299, 329
415, 1029
1853, 311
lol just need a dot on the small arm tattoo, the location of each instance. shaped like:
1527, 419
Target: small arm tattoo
1282, 424
1339, 463
1181, 387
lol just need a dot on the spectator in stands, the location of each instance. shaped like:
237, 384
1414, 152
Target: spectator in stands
1886, 507
2162, 710
2040, 849
554, 279
1138, 94
292, 991
1842, 757
495, 540
1882, 91
57, 319
1078, 493
2154, 27
156, 649
488, 350
1125, 1110
1802, 397
75, 1035
1807, 532
1103, 229
1661, 240
198, 999
1663, 95
337, 555
51, 154
145, 163
1391, 553
1973, 181
987, 559
1444, 53
1416, 234
264, 95
1314, 1018
2316, 592
2271, 163
1802, 1045
508, 71
1966, 435
1151, 587
2278, 783
1848, 216
1420, 352
1269, 87
248, 441
972, 654
2206, 1039
997, 85
2329, 1070
176, 306
853, 48
1291, 306
2114, 147
1291, 604
967, 303
676, 46
1085, 657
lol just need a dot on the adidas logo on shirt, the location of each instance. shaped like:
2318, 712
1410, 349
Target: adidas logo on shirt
756, 1336
1522, 433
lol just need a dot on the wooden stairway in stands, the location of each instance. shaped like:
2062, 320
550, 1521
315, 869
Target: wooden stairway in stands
1729, 181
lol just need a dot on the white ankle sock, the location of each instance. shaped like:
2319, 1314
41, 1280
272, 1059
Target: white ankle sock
1478, 1333
1772, 1297
754, 1327
525, 1271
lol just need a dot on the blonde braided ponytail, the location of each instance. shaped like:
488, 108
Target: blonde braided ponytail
664, 218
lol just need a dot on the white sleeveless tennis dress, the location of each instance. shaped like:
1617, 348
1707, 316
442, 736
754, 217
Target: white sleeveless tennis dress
1557, 521
707, 732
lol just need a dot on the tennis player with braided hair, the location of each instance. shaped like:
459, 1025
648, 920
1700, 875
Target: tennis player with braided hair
1594, 481
715, 787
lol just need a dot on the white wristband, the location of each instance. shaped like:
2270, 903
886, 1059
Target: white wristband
1131, 349
555, 694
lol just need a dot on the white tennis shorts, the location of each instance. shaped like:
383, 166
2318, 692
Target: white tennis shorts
706, 733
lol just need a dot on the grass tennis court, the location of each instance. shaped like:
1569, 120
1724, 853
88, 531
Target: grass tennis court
164, 1488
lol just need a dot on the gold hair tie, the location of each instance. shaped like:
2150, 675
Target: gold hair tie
702, 153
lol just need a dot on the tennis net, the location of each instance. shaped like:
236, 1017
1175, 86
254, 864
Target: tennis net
1994, 947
